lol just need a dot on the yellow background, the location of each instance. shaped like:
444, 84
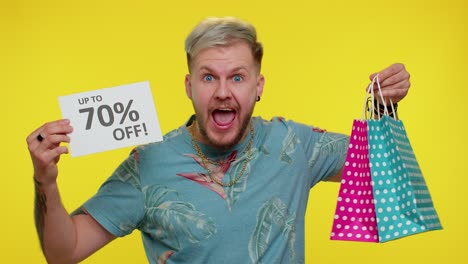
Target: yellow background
318, 56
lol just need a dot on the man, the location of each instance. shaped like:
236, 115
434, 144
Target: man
225, 187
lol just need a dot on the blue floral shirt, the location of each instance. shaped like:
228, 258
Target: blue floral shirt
164, 190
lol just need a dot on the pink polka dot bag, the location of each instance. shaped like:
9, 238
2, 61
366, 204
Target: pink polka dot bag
383, 195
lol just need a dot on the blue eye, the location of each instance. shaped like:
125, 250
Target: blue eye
237, 78
208, 78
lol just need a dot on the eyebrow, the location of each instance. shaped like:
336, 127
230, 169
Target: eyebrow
236, 69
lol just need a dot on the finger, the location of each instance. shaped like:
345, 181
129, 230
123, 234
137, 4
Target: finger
57, 152
53, 141
398, 81
389, 71
61, 126
57, 127
44, 159
44, 151
394, 79
49, 141
396, 91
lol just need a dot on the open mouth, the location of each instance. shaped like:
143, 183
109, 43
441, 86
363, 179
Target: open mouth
223, 117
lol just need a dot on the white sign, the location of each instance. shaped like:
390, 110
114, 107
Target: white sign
111, 118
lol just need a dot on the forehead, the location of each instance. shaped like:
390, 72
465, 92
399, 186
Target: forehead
234, 55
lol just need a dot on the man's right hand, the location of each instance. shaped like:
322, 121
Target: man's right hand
45, 148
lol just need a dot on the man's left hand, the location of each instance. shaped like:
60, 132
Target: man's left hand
394, 82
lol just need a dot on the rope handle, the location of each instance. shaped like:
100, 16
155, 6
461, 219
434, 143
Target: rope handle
370, 107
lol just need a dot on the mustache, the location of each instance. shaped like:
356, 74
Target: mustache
224, 107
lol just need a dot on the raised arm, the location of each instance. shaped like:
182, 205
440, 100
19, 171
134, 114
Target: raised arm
395, 83
64, 239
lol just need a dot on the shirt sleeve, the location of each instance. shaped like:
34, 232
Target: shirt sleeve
325, 151
118, 206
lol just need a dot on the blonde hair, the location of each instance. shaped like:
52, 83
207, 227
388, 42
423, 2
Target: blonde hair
224, 31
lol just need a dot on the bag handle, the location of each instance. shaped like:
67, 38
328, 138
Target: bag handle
371, 108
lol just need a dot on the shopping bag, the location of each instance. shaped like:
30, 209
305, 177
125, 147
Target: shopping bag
383, 195
355, 217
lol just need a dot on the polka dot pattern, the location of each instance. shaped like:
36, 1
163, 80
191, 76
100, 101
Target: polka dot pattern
402, 202
383, 195
355, 215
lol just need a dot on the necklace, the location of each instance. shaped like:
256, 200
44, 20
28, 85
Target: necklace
205, 159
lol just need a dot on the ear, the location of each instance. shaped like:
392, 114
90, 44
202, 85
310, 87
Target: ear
188, 86
260, 83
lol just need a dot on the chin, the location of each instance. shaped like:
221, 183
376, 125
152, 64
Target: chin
224, 141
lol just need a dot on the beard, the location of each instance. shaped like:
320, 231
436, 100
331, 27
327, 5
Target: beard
225, 145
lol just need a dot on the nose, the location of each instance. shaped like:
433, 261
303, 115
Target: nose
223, 91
